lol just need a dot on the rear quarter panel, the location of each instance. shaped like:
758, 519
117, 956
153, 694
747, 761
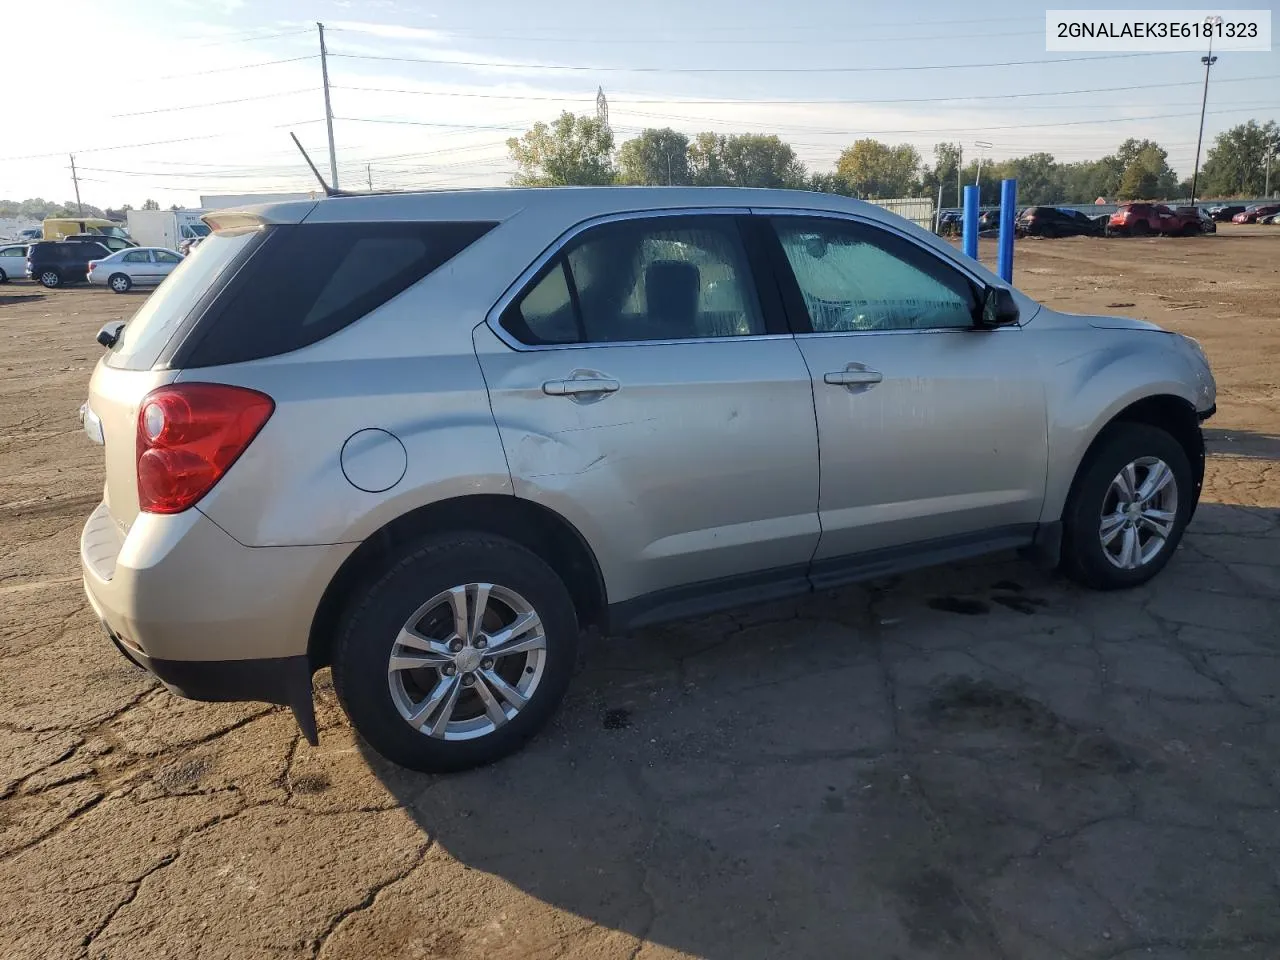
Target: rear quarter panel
407, 368
1091, 376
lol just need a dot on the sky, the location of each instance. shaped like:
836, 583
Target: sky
425, 94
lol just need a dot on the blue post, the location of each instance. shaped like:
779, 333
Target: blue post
971, 221
1008, 201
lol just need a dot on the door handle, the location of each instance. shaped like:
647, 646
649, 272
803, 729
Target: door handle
853, 377
580, 385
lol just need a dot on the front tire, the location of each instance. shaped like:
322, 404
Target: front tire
119, 283
458, 655
1139, 229
1128, 508
51, 279
4, 277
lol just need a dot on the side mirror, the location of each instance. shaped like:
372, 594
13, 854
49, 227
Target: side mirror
998, 308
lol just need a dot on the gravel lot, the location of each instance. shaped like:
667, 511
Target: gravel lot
980, 761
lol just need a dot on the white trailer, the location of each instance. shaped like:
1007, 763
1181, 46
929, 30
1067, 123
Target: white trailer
165, 228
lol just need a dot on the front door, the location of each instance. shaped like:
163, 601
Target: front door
931, 431
644, 392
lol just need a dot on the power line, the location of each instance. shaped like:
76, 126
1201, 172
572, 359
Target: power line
243, 66
246, 39
680, 101
213, 103
700, 41
157, 143
599, 69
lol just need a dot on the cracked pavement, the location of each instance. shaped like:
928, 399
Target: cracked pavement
978, 761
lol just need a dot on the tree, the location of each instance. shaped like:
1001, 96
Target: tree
1039, 178
947, 158
829, 183
875, 169
706, 160
1139, 182
572, 150
150, 205
655, 157
761, 160
1237, 161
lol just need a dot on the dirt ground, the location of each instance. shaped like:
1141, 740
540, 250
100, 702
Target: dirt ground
974, 762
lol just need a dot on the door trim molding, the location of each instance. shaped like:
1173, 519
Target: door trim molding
711, 596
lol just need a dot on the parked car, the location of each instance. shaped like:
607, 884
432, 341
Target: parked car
620, 450
1223, 214
137, 267
13, 261
1054, 222
1203, 222
1270, 219
57, 262
1141, 219
186, 246
1251, 214
111, 243
951, 222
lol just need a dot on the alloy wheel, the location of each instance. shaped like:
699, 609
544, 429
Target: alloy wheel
1138, 513
467, 661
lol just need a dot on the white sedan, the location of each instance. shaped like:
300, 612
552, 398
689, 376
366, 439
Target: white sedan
137, 266
13, 261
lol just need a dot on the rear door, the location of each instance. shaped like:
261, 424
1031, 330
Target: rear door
930, 431
648, 392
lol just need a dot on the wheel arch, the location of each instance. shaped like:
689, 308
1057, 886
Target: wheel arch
540, 530
1173, 414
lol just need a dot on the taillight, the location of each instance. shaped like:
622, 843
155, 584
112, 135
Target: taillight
189, 435
92, 264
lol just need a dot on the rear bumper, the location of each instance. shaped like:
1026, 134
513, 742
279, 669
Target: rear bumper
212, 618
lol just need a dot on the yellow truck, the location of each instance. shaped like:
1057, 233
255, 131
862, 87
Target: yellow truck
55, 228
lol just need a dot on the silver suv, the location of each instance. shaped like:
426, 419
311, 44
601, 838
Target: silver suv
428, 439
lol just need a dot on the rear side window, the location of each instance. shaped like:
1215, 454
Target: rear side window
308, 281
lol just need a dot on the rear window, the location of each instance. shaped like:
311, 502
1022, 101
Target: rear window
155, 323
306, 282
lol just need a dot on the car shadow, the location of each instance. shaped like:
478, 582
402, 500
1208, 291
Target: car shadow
862, 772
1242, 443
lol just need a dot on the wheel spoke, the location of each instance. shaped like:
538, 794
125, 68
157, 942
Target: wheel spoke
1112, 524
1129, 553
416, 641
446, 711
479, 607
1159, 522
443, 689
491, 705
504, 689
516, 638
461, 621
1158, 477
1126, 482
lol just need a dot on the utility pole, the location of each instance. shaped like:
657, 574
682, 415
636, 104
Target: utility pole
328, 110
1271, 152
76, 180
959, 168
983, 146
1208, 62
368, 168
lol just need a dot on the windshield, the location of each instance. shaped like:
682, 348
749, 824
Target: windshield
145, 336
199, 229
114, 232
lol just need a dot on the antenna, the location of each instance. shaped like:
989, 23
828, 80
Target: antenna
328, 190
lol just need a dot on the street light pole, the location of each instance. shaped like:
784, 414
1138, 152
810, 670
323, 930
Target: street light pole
1208, 62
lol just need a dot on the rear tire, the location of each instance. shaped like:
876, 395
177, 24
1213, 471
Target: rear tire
50, 278
415, 599
4, 277
1108, 544
119, 283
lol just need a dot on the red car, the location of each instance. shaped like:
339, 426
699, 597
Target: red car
1141, 219
1251, 214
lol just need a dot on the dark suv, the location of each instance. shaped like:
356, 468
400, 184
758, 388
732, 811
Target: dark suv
57, 262
1053, 222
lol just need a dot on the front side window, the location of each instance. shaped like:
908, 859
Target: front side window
136, 256
854, 277
661, 278
164, 256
